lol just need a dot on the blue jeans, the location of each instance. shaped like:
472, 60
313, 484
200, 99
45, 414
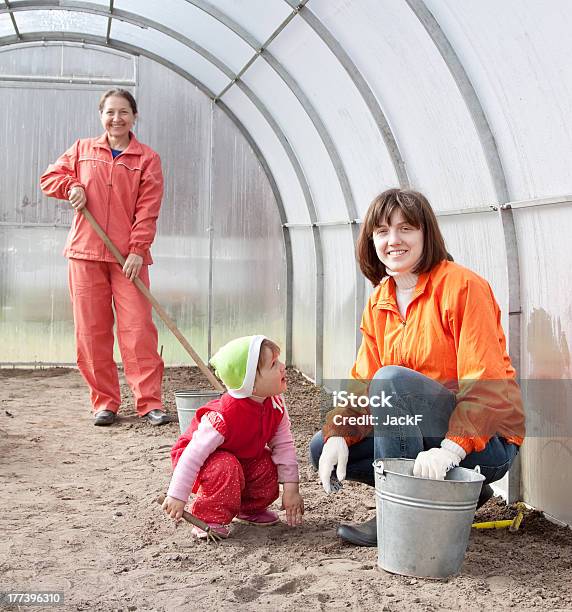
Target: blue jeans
414, 394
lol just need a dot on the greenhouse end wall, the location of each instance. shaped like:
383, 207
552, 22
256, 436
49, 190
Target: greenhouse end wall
208, 267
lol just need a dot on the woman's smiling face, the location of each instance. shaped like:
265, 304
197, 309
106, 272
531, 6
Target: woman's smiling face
398, 244
117, 117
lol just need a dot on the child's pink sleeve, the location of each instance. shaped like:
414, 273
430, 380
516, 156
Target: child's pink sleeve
284, 451
204, 442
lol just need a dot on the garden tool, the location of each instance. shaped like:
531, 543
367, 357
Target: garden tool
512, 525
212, 536
158, 308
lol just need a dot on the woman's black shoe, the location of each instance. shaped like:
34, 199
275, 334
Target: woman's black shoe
366, 533
360, 535
158, 417
104, 417
486, 493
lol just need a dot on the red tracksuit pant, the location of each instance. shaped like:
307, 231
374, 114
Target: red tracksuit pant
96, 289
228, 487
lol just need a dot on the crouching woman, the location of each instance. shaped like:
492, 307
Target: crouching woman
433, 362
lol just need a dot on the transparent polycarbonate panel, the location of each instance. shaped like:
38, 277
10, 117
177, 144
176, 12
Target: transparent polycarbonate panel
35, 313
340, 318
6, 27
101, 3
31, 60
249, 261
546, 481
304, 301
517, 57
181, 135
546, 251
342, 109
37, 319
46, 122
196, 25
34, 304
422, 103
303, 137
67, 60
171, 50
274, 153
545, 254
97, 63
476, 241
258, 17
60, 21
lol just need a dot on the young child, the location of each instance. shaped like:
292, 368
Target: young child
239, 447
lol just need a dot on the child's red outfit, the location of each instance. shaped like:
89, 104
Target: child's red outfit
233, 455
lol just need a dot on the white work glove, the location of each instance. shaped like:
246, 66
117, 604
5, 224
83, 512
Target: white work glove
334, 452
436, 462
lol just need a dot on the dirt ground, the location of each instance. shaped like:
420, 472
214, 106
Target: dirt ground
77, 515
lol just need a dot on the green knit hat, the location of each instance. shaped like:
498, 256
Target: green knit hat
235, 364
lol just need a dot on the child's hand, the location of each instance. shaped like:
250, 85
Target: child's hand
293, 503
174, 507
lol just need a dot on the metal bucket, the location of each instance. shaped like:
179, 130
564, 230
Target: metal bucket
423, 525
189, 401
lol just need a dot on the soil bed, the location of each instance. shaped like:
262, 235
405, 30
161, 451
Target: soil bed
77, 515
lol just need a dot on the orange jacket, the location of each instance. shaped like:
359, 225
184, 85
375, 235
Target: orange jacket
123, 194
452, 334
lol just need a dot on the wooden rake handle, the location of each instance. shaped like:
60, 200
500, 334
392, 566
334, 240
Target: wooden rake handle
158, 308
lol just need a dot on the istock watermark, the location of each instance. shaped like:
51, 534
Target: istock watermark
343, 399
373, 410
470, 408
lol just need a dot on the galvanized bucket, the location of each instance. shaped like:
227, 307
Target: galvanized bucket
423, 525
189, 401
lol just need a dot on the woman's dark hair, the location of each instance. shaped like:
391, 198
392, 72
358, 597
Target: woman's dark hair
418, 212
122, 93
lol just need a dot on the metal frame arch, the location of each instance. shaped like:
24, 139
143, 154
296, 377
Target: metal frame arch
361, 85
316, 236
41, 37
100, 41
343, 179
494, 163
226, 21
12, 18
283, 219
492, 157
329, 145
127, 17
324, 135
23, 44
379, 119
301, 8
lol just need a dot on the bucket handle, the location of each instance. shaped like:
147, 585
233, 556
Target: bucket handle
379, 468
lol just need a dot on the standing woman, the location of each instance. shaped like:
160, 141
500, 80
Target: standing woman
120, 182
434, 349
